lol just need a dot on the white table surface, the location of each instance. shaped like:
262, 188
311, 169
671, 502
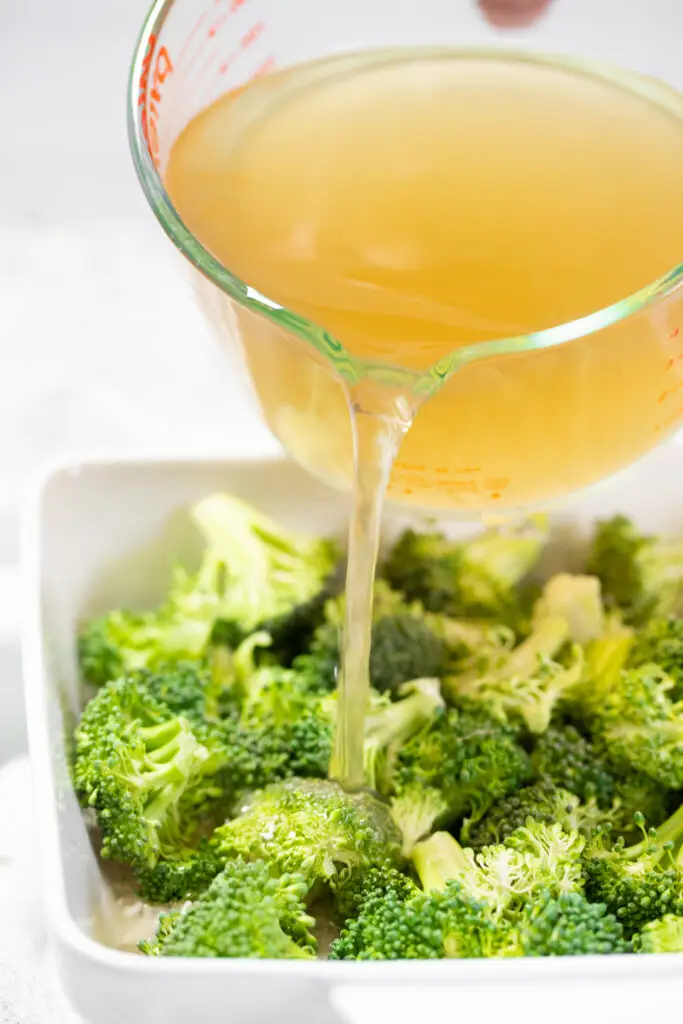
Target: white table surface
100, 348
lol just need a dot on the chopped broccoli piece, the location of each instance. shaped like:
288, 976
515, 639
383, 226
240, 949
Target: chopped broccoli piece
389, 728
404, 645
135, 761
467, 580
542, 802
180, 879
661, 643
576, 764
637, 883
535, 860
640, 725
458, 765
568, 925
245, 912
577, 600
641, 575
313, 828
524, 685
662, 936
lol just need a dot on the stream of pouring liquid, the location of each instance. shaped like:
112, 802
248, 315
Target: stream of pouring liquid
380, 420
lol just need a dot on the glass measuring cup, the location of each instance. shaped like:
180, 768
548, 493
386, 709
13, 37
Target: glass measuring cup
621, 367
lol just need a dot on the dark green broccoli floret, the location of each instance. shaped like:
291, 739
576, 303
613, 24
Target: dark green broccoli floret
375, 882
660, 643
457, 766
245, 913
637, 883
662, 936
174, 881
568, 925
313, 828
404, 646
576, 764
640, 574
165, 925
542, 802
398, 921
477, 579
135, 762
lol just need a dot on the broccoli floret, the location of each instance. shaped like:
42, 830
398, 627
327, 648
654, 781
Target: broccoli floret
246, 912
135, 762
662, 936
661, 643
576, 764
526, 684
542, 802
314, 828
165, 925
398, 921
375, 882
535, 860
185, 878
568, 925
459, 765
638, 883
641, 575
404, 645
477, 579
640, 725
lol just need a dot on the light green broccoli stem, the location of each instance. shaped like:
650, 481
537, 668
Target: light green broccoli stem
439, 860
549, 635
577, 600
605, 660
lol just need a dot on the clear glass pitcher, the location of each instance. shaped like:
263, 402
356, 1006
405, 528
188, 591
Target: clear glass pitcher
621, 367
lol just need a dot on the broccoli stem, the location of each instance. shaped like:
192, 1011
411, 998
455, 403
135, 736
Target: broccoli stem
548, 637
438, 860
663, 838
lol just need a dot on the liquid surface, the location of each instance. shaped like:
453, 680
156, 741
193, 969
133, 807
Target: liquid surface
413, 205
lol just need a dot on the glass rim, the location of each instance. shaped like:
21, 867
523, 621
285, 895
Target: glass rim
352, 368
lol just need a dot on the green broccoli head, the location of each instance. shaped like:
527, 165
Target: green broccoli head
314, 828
179, 879
583, 767
135, 762
542, 802
661, 643
640, 574
568, 925
457, 766
640, 725
477, 579
662, 936
245, 913
404, 645
638, 883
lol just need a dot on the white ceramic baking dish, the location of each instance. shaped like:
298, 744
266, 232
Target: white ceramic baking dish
100, 534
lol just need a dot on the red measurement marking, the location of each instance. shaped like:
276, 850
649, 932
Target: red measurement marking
149, 93
674, 334
250, 37
198, 24
265, 68
236, 4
